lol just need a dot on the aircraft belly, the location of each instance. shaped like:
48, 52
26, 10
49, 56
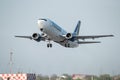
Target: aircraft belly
53, 33
71, 44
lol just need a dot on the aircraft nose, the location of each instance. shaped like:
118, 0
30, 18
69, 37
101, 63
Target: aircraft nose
38, 21
41, 23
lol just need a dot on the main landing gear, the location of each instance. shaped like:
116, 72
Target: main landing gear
67, 45
49, 45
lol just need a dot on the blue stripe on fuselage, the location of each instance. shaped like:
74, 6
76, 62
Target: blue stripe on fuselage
56, 26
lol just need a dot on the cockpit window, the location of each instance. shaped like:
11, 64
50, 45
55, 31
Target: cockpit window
43, 19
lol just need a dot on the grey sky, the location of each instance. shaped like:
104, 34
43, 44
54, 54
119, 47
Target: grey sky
19, 17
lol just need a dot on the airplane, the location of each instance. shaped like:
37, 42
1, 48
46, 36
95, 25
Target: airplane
50, 31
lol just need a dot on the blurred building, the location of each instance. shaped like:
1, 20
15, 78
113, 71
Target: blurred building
1, 78
18, 76
84, 77
105, 77
116, 77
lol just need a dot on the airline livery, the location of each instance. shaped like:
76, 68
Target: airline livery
52, 32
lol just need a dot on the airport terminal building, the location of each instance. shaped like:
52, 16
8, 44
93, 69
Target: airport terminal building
17, 76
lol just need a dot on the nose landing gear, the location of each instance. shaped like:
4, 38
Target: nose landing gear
49, 45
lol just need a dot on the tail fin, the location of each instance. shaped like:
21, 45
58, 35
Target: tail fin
76, 31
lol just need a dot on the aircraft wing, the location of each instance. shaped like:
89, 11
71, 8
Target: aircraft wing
28, 37
92, 37
88, 42
36, 38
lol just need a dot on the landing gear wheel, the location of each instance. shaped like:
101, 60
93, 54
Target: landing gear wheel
68, 45
65, 45
50, 45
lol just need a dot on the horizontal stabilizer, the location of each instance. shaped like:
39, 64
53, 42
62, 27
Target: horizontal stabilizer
88, 42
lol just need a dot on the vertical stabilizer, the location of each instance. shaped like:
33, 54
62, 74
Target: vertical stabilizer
76, 31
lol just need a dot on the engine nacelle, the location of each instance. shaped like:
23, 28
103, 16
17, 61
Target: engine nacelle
68, 35
36, 37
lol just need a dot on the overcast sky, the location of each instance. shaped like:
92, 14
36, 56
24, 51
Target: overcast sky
19, 17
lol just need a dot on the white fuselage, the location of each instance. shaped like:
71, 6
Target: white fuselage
54, 33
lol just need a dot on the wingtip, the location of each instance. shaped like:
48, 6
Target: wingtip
97, 42
112, 35
15, 36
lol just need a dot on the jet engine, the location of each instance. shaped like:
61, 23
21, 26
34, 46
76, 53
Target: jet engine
36, 37
68, 35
